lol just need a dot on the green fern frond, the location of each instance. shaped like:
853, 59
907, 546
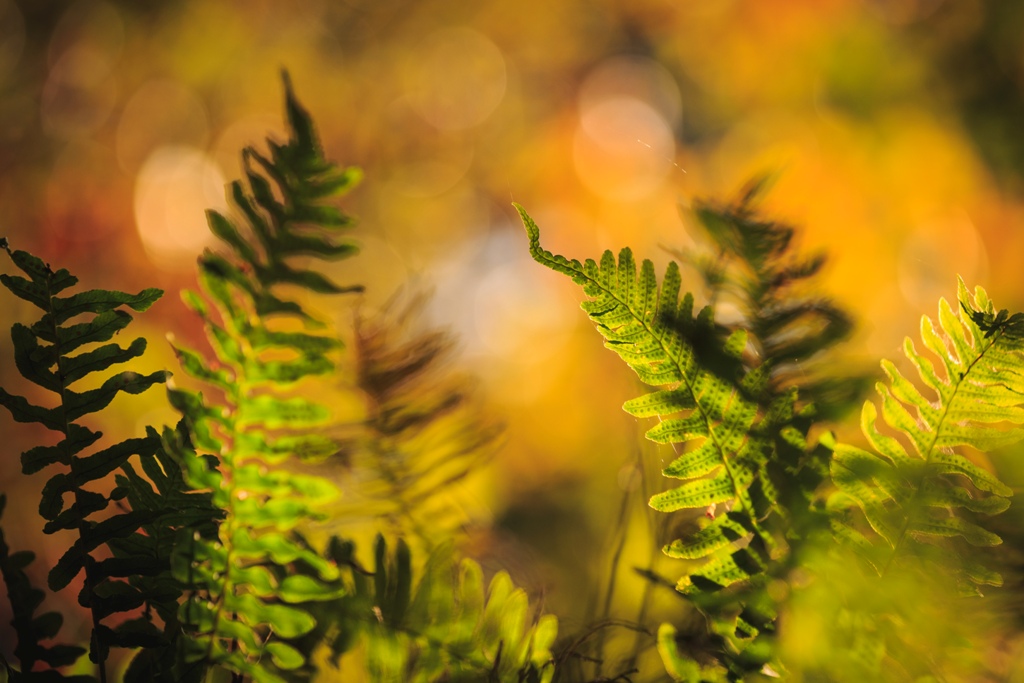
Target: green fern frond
751, 263
423, 432
43, 356
445, 626
739, 435
921, 490
248, 600
710, 408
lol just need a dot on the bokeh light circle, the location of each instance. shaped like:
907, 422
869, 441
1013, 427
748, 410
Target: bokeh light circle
458, 79
623, 148
934, 254
78, 95
173, 189
624, 145
633, 76
91, 23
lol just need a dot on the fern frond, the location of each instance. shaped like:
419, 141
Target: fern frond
921, 490
423, 433
252, 577
43, 356
752, 264
710, 408
739, 435
445, 626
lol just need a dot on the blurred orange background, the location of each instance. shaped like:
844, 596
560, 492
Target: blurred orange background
891, 126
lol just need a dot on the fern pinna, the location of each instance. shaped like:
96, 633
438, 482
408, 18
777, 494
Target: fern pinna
43, 355
712, 404
915, 498
248, 580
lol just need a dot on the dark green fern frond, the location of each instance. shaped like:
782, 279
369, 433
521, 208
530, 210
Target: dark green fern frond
753, 265
920, 493
423, 432
43, 355
279, 232
145, 556
31, 629
248, 601
443, 627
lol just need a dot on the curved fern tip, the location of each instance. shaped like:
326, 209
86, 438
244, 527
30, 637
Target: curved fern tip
299, 120
532, 231
531, 227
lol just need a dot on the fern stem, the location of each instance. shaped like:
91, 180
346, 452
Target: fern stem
228, 526
88, 563
621, 529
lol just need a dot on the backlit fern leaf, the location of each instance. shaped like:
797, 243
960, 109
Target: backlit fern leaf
43, 355
915, 498
250, 580
710, 408
750, 263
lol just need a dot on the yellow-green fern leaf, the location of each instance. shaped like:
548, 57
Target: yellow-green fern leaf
709, 407
919, 488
